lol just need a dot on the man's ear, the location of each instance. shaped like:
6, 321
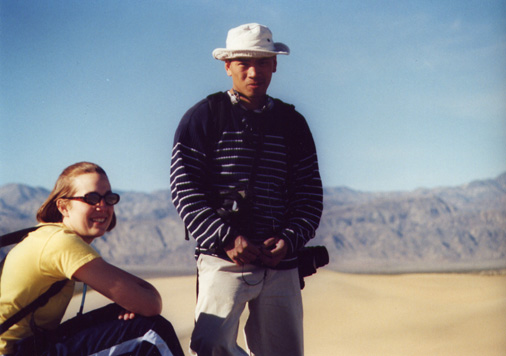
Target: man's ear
227, 68
274, 64
62, 207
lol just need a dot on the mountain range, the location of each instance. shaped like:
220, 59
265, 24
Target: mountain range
460, 228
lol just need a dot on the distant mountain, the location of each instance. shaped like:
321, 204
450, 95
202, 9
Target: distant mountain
441, 229
19, 205
453, 228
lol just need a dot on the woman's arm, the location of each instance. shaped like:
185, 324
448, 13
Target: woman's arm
130, 292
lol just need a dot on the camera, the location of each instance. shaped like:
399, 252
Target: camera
233, 206
309, 260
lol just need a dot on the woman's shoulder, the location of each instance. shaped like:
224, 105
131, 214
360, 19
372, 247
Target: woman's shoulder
64, 251
52, 230
48, 228
57, 236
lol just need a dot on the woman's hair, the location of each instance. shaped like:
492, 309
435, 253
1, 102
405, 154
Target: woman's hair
64, 187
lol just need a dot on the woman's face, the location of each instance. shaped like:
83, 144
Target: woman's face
88, 221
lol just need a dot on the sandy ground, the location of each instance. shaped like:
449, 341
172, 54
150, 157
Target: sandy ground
375, 315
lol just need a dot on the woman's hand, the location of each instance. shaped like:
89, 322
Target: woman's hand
126, 315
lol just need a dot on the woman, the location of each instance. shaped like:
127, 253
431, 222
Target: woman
79, 209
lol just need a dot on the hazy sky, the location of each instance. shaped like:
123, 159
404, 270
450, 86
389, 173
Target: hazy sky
398, 94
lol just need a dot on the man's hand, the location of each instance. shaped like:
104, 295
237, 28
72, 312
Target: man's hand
241, 251
274, 250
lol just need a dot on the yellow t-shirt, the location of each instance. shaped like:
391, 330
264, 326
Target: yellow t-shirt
47, 255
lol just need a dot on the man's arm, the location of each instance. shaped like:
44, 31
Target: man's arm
189, 177
305, 194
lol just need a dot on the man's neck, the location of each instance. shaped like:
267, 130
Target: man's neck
250, 103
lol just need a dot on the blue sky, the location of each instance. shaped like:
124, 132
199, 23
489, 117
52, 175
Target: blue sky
399, 94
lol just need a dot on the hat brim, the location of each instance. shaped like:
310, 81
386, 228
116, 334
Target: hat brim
223, 54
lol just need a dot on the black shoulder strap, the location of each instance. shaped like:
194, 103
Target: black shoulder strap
41, 300
16, 236
218, 104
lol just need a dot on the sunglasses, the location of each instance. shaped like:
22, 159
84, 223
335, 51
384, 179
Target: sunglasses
95, 198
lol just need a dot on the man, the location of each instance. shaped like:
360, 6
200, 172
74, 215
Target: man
245, 181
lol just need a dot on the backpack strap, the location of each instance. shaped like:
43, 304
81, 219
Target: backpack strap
14, 238
40, 301
219, 109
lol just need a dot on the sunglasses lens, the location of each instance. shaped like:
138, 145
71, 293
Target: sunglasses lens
92, 198
95, 198
111, 198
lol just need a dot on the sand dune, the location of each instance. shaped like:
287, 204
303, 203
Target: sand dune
375, 315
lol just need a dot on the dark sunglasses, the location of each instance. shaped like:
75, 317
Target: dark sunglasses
95, 198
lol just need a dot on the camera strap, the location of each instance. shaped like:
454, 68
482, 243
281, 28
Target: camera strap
256, 136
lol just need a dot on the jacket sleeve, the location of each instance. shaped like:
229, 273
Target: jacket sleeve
189, 179
305, 192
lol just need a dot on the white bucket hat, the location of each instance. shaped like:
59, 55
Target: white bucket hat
250, 40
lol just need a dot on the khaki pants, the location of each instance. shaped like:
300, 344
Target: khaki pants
274, 326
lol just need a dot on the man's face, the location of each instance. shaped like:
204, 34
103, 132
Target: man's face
251, 76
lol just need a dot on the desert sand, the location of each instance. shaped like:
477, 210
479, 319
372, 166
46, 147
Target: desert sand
374, 315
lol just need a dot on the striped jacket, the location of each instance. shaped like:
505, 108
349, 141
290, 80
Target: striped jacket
220, 147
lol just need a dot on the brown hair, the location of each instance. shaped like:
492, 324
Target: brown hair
48, 212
